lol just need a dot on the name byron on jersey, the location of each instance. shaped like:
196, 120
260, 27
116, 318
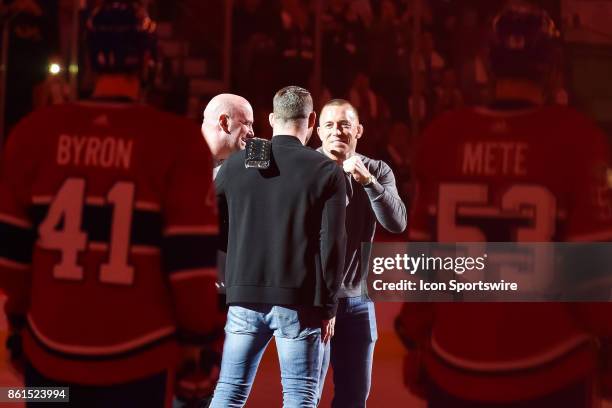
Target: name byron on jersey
94, 151
108, 203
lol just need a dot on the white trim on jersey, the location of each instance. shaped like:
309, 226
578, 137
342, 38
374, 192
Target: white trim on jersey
95, 201
191, 230
519, 364
8, 263
134, 249
98, 246
42, 199
194, 273
147, 206
101, 350
600, 236
138, 205
15, 221
101, 201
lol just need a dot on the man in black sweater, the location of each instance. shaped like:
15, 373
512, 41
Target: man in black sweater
285, 257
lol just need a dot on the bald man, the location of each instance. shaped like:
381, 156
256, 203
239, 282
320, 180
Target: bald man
227, 124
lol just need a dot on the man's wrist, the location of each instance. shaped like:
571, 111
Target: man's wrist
369, 181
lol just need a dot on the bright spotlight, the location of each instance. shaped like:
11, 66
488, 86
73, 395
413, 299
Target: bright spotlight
55, 68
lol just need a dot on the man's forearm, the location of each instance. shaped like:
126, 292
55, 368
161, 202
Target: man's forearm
388, 207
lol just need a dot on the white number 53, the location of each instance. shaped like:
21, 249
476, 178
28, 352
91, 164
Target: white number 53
534, 204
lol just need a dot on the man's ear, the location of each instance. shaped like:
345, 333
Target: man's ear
312, 119
271, 120
359, 131
224, 120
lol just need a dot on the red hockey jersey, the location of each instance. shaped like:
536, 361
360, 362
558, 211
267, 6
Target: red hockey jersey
534, 175
109, 207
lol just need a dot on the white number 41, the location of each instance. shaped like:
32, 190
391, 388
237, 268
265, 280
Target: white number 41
68, 205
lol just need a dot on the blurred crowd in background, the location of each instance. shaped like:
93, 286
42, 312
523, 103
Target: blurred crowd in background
368, 55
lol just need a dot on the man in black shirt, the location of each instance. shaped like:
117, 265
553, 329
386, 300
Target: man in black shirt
285, 257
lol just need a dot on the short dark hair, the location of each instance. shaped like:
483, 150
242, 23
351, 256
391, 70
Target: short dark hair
341, 102
292, 103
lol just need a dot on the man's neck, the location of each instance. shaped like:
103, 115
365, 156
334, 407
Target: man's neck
338, 159
117, 85
302, 136
516, 89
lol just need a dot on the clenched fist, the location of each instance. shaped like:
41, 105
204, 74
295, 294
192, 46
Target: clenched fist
355, 167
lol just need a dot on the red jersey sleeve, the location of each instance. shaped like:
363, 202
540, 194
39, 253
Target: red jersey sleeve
190, 239
16, 229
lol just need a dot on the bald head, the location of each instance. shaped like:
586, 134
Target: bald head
227, 124
224, 103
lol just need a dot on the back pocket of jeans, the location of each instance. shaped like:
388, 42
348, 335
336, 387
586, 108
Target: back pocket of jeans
240, 320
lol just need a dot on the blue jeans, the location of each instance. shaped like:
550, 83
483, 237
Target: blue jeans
351, 352
249, 329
